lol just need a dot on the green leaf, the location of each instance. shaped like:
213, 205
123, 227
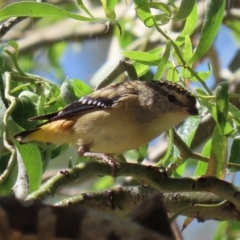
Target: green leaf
82, 6
73, 89
187, 132
234, 112
6, 186
228, 230
37, 9
211, 106
4, 67
111, 4
143, 57
161, 19
156, 51
108, 6
188, 49
228, 129
81, 88
104, 183
189, 26
167, 156
185, 9
14, 45
173, 75
203, 75
202, 166
142, 151
163, 62
222, 107
52, 93
41, 103
33, 163
221, 232
141, 68
211, 24
70, 164
217, 160
171, 3
31, 157
162, 7
25, 109
235, 151
164, 16
59, 150
12, 54
144, 12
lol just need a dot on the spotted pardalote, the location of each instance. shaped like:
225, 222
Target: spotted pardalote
116, 118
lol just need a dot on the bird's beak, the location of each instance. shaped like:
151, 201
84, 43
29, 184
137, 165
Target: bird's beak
192, 111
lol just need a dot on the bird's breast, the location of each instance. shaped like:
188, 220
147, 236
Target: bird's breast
117, 131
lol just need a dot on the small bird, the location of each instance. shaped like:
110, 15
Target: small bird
115, 119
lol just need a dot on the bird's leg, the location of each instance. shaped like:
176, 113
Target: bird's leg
110, 160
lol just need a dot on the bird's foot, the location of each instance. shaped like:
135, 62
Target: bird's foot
110, 160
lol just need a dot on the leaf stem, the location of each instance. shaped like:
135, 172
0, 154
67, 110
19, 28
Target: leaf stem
182, 59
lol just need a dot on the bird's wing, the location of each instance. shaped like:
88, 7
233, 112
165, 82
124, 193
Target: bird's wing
113, 96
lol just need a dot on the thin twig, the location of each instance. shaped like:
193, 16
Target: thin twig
185, 153
122, 67
9, 110
182, 59
126, 198
7, 25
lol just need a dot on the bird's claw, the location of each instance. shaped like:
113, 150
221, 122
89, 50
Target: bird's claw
114, 164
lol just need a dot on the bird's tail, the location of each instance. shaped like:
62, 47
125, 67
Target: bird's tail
27, 136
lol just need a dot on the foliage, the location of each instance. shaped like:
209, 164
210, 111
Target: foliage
172, 56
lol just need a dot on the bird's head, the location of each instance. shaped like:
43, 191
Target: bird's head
172, 97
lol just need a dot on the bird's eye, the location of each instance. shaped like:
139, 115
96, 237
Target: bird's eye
171, 98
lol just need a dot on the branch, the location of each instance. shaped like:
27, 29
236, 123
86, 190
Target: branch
73, 30
7, 25
152, 176
122, 200
119, 69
